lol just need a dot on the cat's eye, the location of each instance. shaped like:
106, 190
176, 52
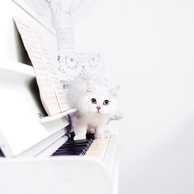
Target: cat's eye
93, 101
106, 102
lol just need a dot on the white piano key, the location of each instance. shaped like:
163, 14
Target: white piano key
98, 148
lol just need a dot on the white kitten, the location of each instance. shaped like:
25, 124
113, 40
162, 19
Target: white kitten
96, 105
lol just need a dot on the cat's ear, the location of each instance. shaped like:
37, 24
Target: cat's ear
89, 87
114, 91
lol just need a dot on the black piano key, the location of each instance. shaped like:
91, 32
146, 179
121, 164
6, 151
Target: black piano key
90, 136
71, 148
75, 147
72, 151
72, 143
77, 143
83, 152
68, 152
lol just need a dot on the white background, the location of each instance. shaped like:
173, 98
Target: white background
149, 50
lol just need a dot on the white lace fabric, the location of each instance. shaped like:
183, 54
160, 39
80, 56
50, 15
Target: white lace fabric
72, 64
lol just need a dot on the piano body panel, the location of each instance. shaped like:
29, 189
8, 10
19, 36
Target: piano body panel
58, 175
20, 105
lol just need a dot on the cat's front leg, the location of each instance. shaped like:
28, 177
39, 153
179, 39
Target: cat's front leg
80, 132
79, 127
100, 132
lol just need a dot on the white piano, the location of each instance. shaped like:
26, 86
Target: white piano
28, 137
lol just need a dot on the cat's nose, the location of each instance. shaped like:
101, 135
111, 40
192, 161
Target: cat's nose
98, 107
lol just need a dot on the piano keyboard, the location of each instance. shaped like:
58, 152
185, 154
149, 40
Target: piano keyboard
89, 147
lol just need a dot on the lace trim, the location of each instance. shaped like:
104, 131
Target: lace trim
72, 64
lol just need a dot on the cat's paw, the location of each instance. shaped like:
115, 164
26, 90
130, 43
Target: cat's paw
78, 137
91, 131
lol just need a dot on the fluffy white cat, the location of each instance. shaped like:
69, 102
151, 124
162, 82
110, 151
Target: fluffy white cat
96, 105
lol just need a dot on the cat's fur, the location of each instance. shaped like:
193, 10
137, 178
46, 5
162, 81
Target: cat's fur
92, 116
